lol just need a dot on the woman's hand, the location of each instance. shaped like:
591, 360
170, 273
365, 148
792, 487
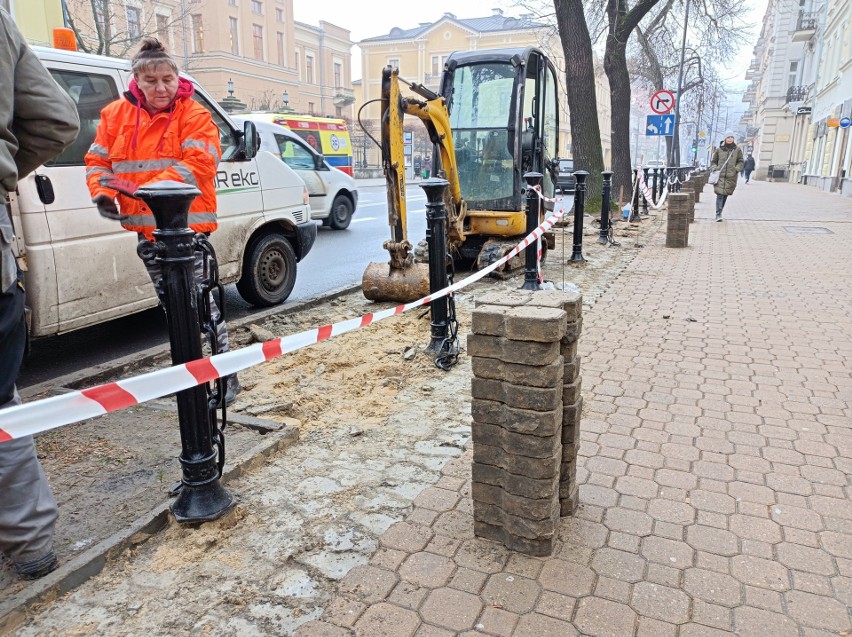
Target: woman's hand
107, 208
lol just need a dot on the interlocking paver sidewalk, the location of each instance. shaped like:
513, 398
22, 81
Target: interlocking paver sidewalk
715, 462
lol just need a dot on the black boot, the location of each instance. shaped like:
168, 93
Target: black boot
232, 388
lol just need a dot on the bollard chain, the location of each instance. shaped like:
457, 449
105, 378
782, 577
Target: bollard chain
449, 353
208, 285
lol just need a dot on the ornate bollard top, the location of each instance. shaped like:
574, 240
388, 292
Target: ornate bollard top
169, 201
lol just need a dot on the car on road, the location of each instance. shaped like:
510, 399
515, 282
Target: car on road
655, 163
565, 180
333, 193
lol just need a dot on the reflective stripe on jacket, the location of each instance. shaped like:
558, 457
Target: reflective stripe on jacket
181, 145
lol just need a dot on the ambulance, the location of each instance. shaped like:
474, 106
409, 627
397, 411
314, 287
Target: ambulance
328, 136
81, 269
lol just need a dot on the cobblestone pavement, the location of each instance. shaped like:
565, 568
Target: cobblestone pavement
715, 460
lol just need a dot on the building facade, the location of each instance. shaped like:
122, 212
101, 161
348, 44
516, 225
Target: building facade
420, 52
36, 18
801, 90
253, 50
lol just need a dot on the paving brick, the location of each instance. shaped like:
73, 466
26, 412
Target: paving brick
760, 573
803, 558
408, 595
496, 621
512, 351
468, 580
343, 612
511, 592
404, 536
543, 626
536, 468
368, 584
517, 396
517, 444
619, 565
451, 609
519, 485
533, 509
713, 587
567, 578
600, 617
427, 569
528, 375
387, 620
660, 602
712, 540
753, 621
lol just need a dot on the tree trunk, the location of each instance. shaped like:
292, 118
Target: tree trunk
580, 86
615, 65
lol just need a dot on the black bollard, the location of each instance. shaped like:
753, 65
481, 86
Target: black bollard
605, 193
634, 204
662, 184
579, 210
436, 238
533, 216
642, 192
654, 195
201, 496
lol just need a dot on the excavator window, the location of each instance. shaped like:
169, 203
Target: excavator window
480, 113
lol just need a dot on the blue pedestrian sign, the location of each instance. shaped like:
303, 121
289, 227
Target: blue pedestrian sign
660, 125
845, 122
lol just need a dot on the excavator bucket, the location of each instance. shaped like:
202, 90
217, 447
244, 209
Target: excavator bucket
381, 282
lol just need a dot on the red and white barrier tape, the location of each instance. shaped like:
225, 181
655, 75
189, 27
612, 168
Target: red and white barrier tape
50, 413
649, 196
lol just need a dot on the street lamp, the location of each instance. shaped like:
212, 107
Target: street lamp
230, 87
286, 99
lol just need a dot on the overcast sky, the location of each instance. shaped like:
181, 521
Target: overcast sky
378, 17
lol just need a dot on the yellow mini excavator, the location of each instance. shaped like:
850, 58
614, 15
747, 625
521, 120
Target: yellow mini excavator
495, 119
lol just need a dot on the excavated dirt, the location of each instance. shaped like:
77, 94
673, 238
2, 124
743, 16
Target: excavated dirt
378, 422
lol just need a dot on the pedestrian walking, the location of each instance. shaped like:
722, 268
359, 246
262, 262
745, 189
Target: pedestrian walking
37, 121
157, 132
728, 161
748, 167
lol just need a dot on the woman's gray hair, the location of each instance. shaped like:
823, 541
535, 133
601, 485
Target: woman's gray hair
150, 55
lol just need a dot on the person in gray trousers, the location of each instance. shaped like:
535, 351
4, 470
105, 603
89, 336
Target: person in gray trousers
37, 121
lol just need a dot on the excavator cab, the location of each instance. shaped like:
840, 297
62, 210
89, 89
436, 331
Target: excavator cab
504, 116
495, 118
504, 110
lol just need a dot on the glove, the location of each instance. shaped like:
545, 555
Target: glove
107, 208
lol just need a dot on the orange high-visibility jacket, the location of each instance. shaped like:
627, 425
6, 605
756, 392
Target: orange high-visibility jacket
181, 144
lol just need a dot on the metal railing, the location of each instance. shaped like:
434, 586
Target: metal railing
806, 22
797, 94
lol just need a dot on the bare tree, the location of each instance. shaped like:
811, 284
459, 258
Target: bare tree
580, 89
109, 27
621, 21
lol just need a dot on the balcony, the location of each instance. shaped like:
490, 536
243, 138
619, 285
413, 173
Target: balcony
796, 95
343, 96
805, 27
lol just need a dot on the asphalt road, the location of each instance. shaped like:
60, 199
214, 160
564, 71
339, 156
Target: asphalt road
337, 259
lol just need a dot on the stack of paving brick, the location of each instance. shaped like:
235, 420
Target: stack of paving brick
677, 227
526, 415
693, 186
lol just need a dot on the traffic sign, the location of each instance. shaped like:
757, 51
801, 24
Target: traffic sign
660, 125
845, 122
702, 135
833, 122
662, 102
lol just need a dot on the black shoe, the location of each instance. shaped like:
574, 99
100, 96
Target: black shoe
718, 217
37, 568
232, 388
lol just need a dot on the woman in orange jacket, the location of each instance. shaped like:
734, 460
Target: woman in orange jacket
157, 132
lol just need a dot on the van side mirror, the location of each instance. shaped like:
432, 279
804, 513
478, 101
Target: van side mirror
319, 162
251, 140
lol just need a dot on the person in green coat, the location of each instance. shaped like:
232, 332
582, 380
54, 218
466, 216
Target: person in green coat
728, 160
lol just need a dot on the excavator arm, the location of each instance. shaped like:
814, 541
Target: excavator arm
432, 111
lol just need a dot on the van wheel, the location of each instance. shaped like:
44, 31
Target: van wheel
341, 213
269, 271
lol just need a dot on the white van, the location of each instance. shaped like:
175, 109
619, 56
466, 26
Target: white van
82, 269
334, 195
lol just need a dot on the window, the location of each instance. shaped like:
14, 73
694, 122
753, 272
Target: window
338, 111
134, 23
394, 62
279, 15
257, 36
436, 66
311, 108
232, 3
227, 139
298, 64
792, 78
257, 7
90, 93
163, 29
234, 35
294, 154
309, 69
197, 33
99, 14
338, 72
279, 42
